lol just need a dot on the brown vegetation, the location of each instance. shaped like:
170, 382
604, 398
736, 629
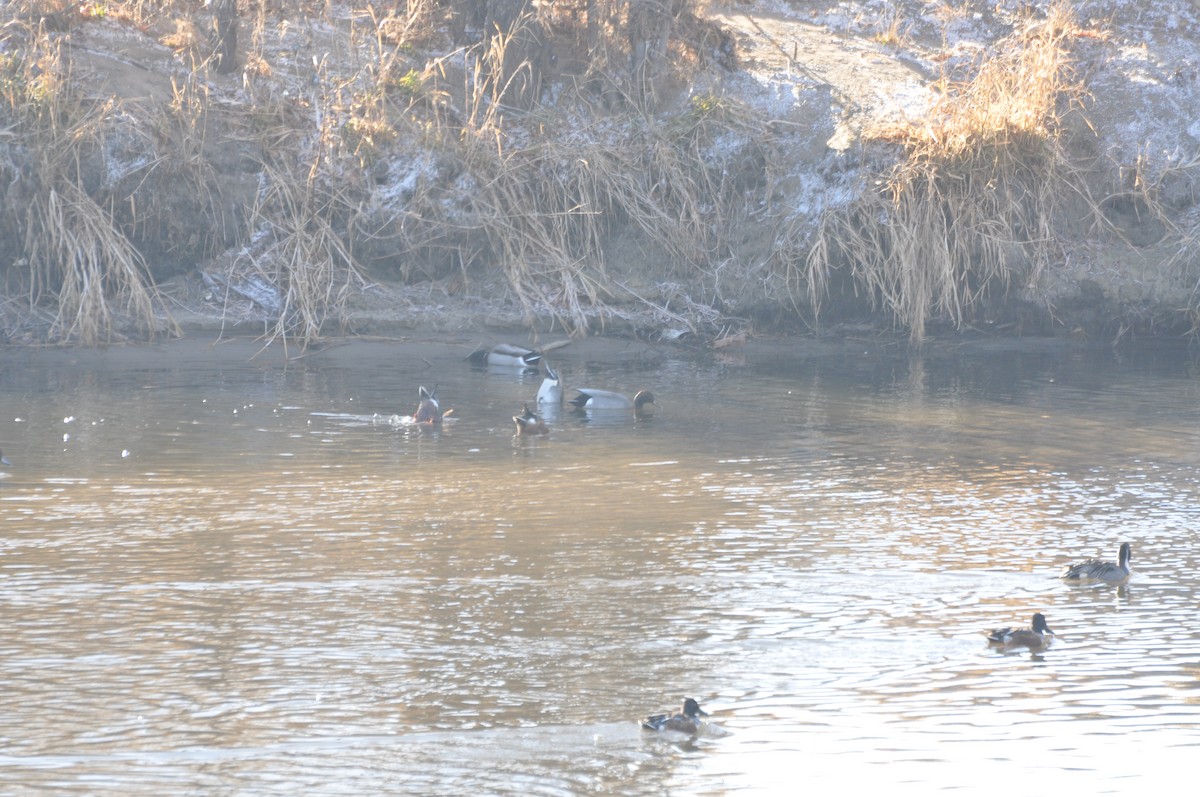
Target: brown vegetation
987, 187
67, 243
492, 195
301, 151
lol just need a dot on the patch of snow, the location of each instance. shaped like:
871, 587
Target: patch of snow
407, 176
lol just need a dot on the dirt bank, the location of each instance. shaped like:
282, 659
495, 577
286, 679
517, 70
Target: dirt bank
781, 110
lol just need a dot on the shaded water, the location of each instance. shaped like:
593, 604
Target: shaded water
219, 575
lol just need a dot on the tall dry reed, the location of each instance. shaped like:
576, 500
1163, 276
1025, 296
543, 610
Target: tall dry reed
73, 253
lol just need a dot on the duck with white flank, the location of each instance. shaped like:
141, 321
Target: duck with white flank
550, 394
1099, 570
1036, 637
642, 403
506, 355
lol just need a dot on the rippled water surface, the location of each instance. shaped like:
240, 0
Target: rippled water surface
220, 575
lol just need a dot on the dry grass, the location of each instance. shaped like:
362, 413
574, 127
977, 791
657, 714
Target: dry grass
543, 211
540, 206
71, 249
976, 200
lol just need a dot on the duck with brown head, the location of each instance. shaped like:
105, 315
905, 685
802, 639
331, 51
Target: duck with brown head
530, 423
1036, 637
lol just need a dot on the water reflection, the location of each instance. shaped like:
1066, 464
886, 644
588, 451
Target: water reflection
241, 577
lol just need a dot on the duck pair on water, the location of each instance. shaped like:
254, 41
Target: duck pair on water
550, 392
1038, 635
588, 400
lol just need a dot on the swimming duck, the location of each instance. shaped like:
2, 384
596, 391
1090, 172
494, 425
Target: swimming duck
551, 392
1035, 638
530, 422
686, 721
506, 354
428, 409
589, 399
1100, 570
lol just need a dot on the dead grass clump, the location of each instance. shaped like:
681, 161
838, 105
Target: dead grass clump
984, 181
413, 24
308, 257
69, 247
544, 211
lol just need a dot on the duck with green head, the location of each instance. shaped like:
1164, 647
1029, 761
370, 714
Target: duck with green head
590, 399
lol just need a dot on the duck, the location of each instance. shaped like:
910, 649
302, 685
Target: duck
1101, 570
550, 393
590, 399
506, 354
428, 409
686, 721
1037, 637
529, 423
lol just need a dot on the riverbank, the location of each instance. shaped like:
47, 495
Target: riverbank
325, 191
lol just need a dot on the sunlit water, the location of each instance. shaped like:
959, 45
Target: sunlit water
224, 576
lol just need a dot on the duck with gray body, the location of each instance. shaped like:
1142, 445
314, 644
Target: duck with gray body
592, 399
1099, 570
506, 355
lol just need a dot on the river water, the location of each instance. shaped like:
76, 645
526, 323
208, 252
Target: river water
220, 574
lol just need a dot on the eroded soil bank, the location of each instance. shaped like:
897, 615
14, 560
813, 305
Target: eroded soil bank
768, 100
